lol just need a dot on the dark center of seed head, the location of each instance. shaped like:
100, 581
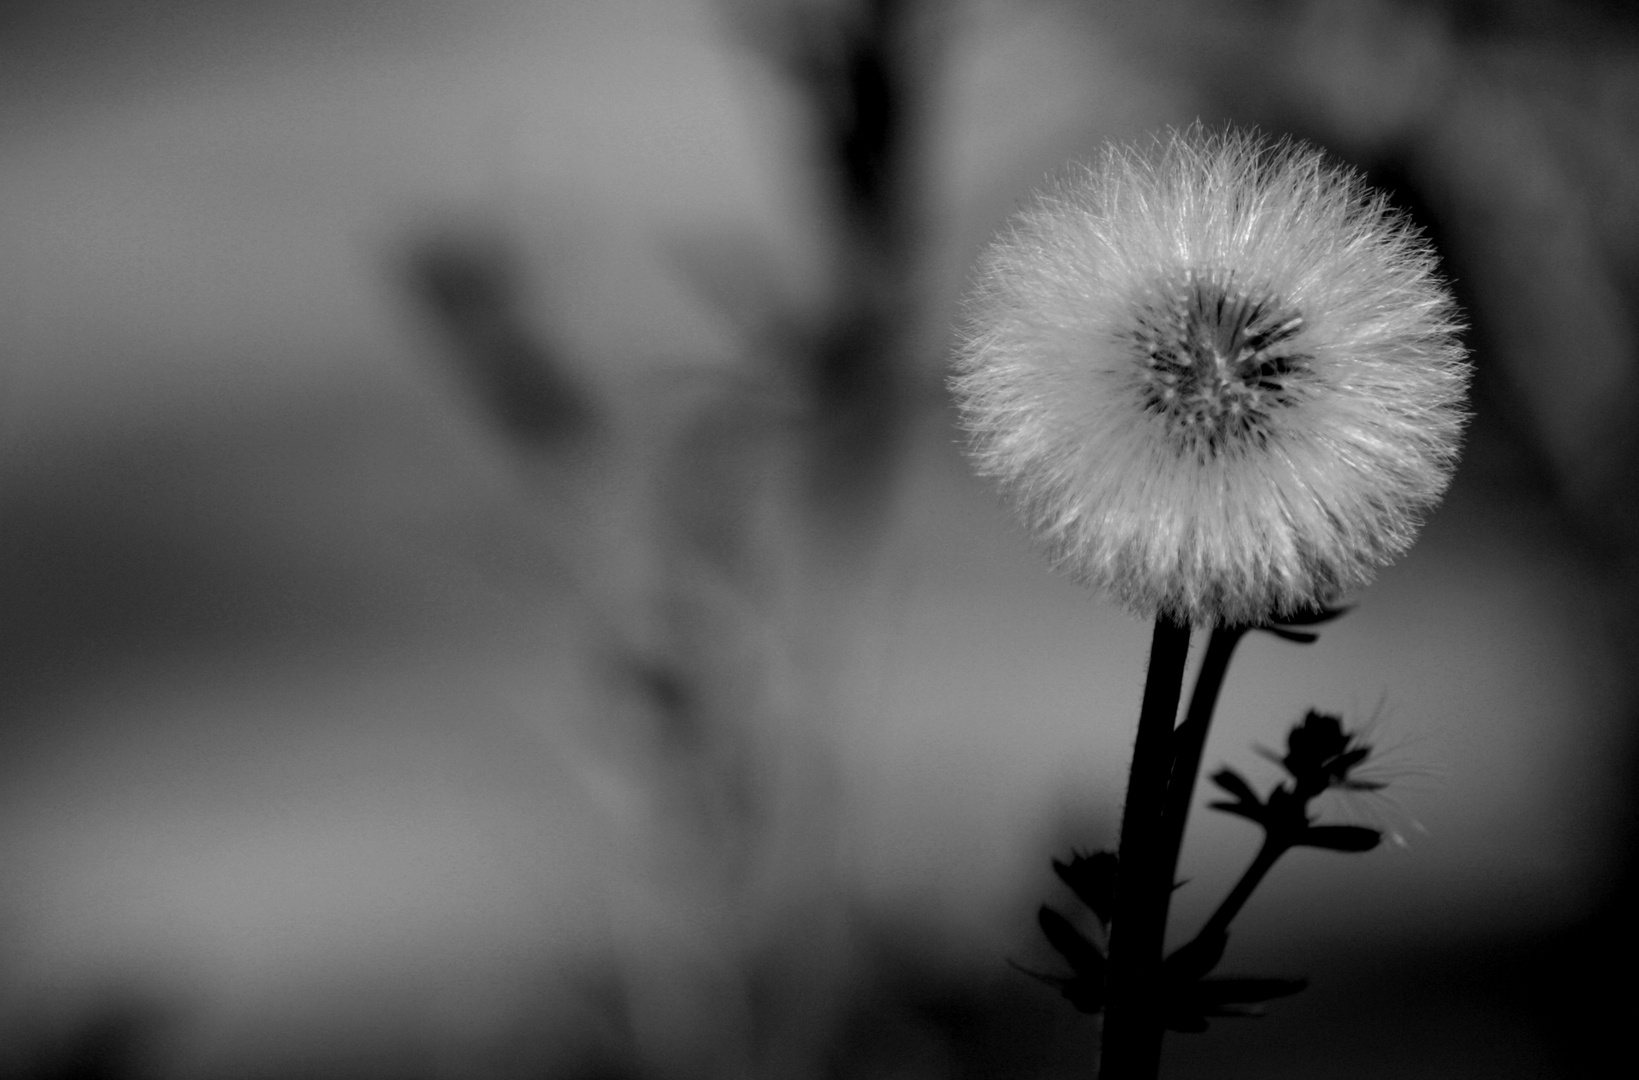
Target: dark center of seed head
1217, 359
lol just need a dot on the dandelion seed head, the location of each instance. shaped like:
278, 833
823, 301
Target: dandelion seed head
1220, 377
1217, 361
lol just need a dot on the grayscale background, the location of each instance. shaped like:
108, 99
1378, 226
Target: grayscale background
489, 585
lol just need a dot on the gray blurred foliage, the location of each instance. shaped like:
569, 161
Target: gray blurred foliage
717, 530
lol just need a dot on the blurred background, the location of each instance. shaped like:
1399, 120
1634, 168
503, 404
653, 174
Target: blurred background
489, 586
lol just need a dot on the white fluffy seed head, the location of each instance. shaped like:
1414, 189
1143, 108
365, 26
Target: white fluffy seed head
1220, 376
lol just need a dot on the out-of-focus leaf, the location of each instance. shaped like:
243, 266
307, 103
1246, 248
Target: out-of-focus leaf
1085, 988
1084, 958
1092, 879
1192, 1021
1085, 995
1239, 990
1340, 837
1192, 960
1188, 1007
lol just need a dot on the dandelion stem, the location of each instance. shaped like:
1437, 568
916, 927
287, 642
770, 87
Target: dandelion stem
1188, 743
1132, 1021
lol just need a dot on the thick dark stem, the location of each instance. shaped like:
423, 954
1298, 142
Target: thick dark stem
1133, 1017
1188, 742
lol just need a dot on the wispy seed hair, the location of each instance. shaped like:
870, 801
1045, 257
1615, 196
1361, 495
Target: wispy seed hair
1220, 376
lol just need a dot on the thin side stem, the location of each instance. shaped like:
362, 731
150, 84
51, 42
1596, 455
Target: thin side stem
1132, 1018
1188, 743
1218, 925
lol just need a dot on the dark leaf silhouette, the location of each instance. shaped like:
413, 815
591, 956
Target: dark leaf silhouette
1188, 1007
1083, 994
1282, 628
1320, 754
1084, 958
1302, 637
1192, 960
1237, 990
1085, 987
472, 285
1314, 616
1246, 802
1183, 1018
1092, 879
1235, 784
